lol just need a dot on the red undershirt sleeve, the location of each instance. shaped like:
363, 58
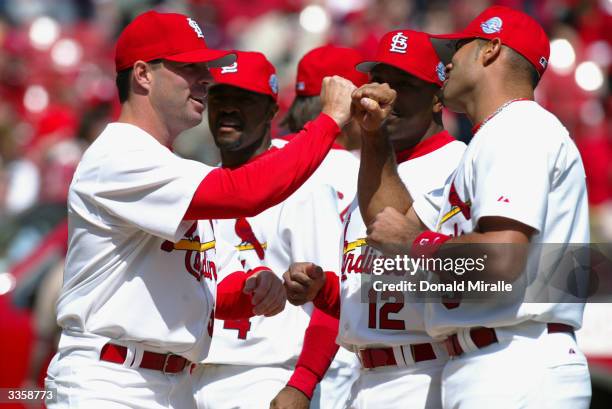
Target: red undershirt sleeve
232, 303
266, 181
318, 352
328, 298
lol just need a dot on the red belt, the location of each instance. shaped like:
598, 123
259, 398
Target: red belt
482, 337
167, 363
375, 357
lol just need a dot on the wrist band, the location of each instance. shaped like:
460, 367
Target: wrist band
428, 243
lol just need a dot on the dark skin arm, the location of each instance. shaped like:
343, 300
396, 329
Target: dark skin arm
392, 233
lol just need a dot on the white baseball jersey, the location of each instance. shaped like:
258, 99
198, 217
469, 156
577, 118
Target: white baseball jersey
305, 227
390, 319
521, 165
340, 169
135, 271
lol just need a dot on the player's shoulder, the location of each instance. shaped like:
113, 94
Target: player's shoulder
312, 190
528, 119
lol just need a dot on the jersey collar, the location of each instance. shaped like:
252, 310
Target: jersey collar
434, 142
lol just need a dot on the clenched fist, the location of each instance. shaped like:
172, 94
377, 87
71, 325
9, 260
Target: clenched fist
336, 98
371, 105
290, 398
267, 292
303, 282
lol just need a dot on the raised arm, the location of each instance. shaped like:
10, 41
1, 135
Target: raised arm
379, 184
258, 185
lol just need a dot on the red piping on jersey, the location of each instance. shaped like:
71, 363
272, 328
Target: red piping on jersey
433, 143
476, 127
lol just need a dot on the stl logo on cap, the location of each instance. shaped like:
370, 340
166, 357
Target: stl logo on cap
193, 24
230, 68
398, 43
441, 71
273, 82
492, 25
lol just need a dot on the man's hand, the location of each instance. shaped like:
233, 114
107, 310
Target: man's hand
371, 105
290, 398
392, 232
303, 282
336, 98
268, 294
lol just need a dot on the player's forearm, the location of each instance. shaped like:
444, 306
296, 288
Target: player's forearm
267, 181
499, 255
318, 352
328, 298
379, 183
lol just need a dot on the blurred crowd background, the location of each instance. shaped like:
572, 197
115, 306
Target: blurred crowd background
57, 91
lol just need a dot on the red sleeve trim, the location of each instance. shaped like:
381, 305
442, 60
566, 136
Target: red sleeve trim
250, 189
428, 243
328, 298
232, 303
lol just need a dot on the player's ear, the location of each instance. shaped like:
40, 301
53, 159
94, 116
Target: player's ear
437, 102
490, 51
142, 77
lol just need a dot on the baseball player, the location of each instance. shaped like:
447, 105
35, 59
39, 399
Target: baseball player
340, 167
140, 285
521, 182
256, 355
401, 364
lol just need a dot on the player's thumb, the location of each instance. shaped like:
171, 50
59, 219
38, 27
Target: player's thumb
315, 272
250, 284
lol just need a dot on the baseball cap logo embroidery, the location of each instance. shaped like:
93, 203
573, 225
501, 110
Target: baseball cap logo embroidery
543, 62
273, 82
441, 71
230, 68
398, 43
193, 24
492, 25
300, 86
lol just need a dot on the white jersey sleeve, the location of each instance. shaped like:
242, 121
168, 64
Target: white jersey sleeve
511, 178
147, 190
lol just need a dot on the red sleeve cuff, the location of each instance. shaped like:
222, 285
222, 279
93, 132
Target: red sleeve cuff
318, 352
232, 303
328, 298
428, 243
304, 380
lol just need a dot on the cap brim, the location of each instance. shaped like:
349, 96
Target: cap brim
446, 44
214, 58
366, 66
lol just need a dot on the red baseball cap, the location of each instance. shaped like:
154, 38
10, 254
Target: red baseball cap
324, 62
514, 28
410, 51
251, 71
169, 36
